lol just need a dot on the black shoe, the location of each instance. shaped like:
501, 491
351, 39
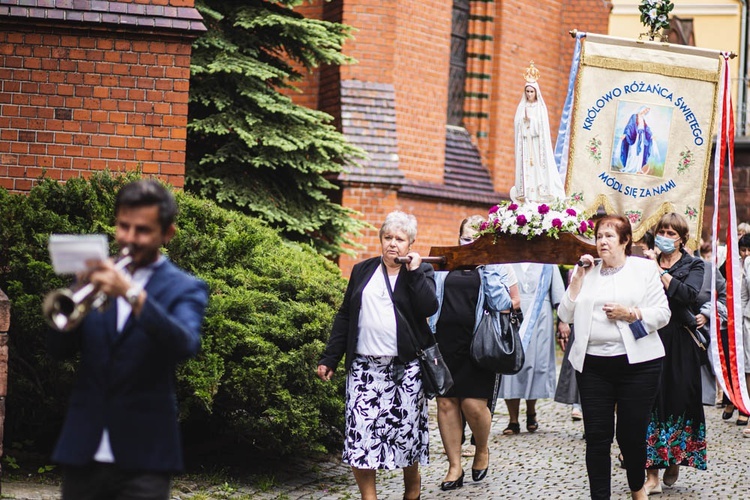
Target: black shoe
531, 424
452, 485
513, 428
478, 474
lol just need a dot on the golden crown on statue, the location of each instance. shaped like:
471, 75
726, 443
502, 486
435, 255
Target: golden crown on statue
531, 74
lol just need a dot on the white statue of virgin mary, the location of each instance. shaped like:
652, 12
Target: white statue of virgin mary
537, 179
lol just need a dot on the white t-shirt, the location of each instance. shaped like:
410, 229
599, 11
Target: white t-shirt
377, 318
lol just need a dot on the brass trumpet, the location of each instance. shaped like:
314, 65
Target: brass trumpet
65, 308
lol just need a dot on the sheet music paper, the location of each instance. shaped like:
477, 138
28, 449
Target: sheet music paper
69, 252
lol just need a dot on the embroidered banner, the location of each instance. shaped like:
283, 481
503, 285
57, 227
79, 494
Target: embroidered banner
641, 130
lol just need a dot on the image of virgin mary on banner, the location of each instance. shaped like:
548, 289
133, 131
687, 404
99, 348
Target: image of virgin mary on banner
641, 128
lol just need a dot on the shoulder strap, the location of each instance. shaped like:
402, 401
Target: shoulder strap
407, 326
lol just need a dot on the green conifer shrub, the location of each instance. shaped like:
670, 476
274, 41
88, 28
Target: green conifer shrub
270, 311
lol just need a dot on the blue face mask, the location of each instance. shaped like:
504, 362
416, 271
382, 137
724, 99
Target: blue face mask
666, 245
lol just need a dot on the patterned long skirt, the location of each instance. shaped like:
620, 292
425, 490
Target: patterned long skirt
386, 421
677, 432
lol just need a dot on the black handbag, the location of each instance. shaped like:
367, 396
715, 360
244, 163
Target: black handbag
436, 377
496, 345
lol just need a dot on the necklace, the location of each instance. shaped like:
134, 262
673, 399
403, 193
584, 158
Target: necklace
609, 271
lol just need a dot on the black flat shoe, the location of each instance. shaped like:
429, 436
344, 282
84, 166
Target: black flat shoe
531, 424
726, 415
742, 420
452, 485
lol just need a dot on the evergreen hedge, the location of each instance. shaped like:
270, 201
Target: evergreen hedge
271, 306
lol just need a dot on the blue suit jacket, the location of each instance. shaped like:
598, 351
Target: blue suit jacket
126, 381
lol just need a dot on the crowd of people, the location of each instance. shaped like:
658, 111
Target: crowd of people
632, 330
628, 327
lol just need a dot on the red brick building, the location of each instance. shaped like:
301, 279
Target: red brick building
432, 99
88, 85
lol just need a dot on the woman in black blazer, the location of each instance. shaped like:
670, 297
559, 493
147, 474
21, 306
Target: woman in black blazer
386, 409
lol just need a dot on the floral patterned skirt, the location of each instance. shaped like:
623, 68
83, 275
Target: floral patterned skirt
677, 431
386, 422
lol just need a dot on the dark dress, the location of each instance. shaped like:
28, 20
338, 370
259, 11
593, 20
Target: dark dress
677, 431
454, 332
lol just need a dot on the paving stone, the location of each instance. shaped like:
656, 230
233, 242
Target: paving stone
547, 464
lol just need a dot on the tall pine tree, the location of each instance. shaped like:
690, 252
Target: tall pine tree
249, 146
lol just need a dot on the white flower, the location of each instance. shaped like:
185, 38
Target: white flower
532, 219
662, 18
652, 14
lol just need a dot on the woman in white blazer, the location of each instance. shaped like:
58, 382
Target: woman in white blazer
617, 306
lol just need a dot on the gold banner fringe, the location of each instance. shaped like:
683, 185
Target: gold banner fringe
665, 208
649, 67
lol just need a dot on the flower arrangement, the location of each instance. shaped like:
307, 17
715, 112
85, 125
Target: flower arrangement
686, 161
634, 216
531, 219
655, 15
691, 213
595, 149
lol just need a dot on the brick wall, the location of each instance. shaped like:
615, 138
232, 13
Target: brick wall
76, 100
421, 65
545, 41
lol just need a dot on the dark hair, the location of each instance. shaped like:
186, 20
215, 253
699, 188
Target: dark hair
621, 226
706, 248
146, 193
648, 240
676, 222
744, 241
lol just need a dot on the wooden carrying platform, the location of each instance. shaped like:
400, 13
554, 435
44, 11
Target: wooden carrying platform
506, 248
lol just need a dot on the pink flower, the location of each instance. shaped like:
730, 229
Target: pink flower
543, 209
570, 212
556, 223
583, 227
512, 207
521, 220
590, 223
494, 209
484, 225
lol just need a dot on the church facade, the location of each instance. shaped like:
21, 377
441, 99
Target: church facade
432, 99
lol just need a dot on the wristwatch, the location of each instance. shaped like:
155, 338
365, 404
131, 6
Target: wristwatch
131, 296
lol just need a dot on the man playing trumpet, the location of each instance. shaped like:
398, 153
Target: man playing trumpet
121, 438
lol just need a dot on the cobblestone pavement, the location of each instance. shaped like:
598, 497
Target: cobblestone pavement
547, 464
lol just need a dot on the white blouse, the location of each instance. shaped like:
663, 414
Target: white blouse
377, 318
636, 285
